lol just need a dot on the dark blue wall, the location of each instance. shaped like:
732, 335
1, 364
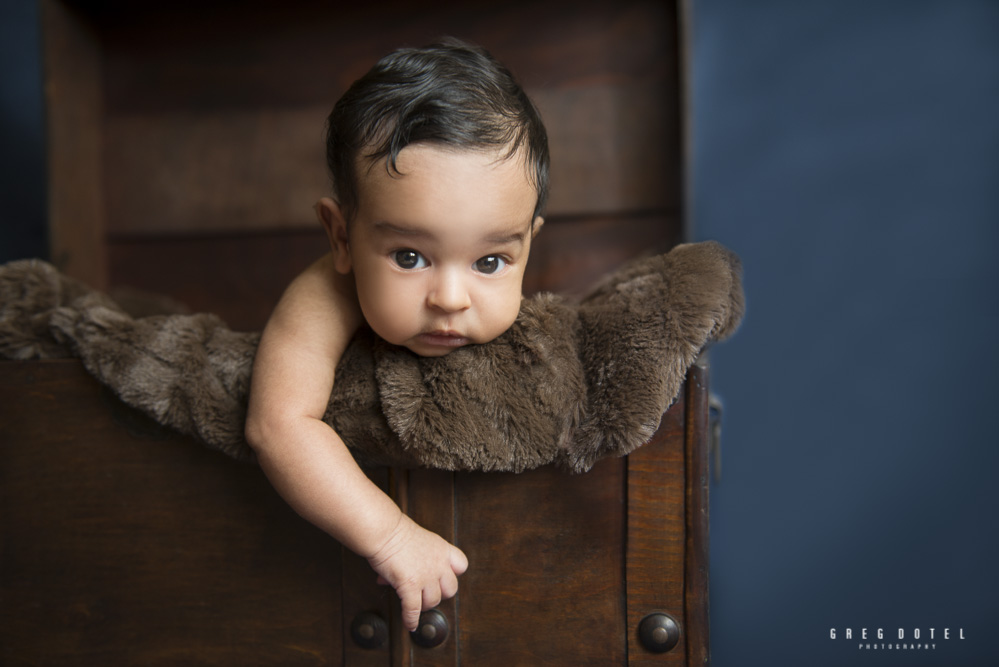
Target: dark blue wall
22, 153
849, 152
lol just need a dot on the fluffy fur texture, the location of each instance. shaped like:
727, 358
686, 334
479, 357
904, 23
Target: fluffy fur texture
567, 384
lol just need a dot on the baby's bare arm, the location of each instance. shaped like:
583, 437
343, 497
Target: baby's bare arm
309, 464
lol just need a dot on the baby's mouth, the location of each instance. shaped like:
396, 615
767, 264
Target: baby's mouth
444, 339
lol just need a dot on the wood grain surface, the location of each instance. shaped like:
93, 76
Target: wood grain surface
126, 544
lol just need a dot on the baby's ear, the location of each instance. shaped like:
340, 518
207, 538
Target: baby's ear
331, 217
536, 226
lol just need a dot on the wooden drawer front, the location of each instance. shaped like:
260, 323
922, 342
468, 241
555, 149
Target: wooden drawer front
565, 567
126, 544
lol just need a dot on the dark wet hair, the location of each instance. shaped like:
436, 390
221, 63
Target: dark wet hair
450, 93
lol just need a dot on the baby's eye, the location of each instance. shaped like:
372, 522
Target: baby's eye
489, 264
409, 259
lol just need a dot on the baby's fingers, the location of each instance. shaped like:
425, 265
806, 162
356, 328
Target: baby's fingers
431, 597
449, 586
412, 605
459, 562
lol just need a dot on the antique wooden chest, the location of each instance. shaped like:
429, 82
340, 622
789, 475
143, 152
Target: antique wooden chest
185, 153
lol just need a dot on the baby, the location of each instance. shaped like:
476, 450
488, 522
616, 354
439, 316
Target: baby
439, 164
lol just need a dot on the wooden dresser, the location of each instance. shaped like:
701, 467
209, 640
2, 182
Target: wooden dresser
126, 544
185, 154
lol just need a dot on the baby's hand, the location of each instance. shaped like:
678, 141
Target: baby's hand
421, 566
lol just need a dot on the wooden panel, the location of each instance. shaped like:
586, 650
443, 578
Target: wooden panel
571, 254
125, 544
657, 535
302, 53
238, 277
75, 123
204, 119
214, 119
362, 593
107, 517
431, 503
614, 147
544, 585
698, 542
613, 150
215, 170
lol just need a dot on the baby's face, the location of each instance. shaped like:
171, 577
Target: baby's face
438, 250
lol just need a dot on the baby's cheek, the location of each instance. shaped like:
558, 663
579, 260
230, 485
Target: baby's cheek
504, 312
383, 320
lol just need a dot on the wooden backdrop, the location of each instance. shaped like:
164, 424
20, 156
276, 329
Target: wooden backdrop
187, 150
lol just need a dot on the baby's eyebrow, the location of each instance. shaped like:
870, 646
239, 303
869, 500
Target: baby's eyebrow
503, 239
388, 227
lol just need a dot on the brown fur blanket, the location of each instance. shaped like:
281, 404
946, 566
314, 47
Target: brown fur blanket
569, 383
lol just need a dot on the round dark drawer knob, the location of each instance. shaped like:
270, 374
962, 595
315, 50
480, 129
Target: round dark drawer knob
369, 630
432, 630
658, 632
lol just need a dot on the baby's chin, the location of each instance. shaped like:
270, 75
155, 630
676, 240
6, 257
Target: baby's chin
432, 345
429, 353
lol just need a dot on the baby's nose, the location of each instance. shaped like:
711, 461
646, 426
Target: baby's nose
449, 292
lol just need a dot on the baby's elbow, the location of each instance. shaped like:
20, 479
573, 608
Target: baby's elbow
253, 433
259, 431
